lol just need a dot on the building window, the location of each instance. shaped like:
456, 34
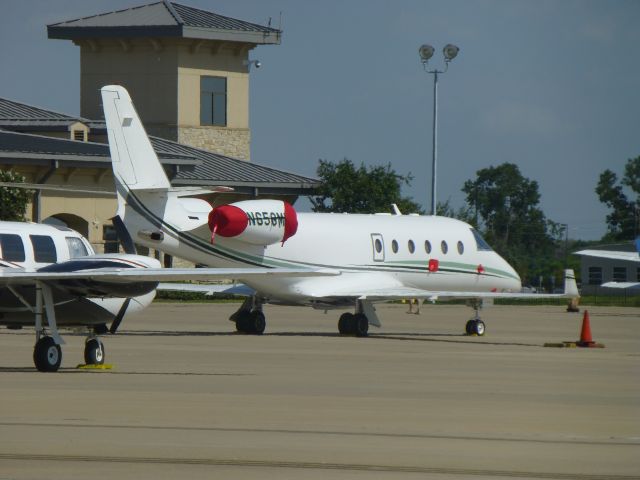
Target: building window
44, 250
619, 274
110, 237
11, 247
595, 275
213, 101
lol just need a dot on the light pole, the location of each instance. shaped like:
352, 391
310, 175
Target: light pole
426, 52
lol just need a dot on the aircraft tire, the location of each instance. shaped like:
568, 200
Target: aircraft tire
479, 328
47, 356
94, 352
361, 325
257, 322
469, 327
346, 323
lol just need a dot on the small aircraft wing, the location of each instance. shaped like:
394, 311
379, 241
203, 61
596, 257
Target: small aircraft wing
8, 277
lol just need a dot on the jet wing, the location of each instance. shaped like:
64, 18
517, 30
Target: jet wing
397, 293
208, 289
612, 255
631, 285
8, 277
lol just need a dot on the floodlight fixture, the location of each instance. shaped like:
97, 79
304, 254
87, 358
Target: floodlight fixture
249, 63
450, 52
426, 52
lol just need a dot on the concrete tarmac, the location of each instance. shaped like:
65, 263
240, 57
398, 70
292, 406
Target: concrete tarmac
189, 398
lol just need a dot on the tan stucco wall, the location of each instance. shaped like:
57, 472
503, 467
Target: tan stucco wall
163, 78
148, 73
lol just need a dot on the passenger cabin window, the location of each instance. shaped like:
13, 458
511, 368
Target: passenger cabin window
481, 243
11, 247
460, 248
427, 246
44, 250
378, 244
76, 247
411, 246
394, 246
213, 101
444, 247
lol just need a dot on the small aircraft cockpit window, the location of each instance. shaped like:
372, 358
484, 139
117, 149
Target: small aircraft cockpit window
394, 246
460, 247
411, 246
378, 244
481, 243
76, 247
427, 246
444, 247
44, 250
11, 247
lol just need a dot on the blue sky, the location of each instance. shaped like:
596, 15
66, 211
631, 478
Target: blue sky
551, 86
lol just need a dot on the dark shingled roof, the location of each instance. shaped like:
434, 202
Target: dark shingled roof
192, 166
165, 19
17, 114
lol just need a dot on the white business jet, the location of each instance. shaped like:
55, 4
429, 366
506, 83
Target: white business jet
378, 257
50, 272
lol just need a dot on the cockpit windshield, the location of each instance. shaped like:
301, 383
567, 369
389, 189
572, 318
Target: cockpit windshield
481, 243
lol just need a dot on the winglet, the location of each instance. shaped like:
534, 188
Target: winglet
570, 285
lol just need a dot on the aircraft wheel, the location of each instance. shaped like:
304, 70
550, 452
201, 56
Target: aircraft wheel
256, 322
47, 356
469, 327
361, 325
479, 328
94, 352
346, 323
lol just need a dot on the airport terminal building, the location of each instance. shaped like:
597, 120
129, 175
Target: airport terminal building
188, 73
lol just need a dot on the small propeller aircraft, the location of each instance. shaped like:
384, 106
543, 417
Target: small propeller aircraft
52, 273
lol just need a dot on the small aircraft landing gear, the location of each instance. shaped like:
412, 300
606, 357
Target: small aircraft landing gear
93, 351
47, 355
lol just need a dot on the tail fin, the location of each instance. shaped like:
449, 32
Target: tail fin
135, 163
570, 285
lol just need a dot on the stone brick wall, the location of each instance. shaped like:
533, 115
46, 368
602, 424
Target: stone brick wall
232, 142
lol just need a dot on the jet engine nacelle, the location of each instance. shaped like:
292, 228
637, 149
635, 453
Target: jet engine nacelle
259, 222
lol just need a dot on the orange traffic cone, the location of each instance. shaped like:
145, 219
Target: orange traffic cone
585, 334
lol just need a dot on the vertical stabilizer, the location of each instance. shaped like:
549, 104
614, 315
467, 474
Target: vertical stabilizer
570, 286
135, 163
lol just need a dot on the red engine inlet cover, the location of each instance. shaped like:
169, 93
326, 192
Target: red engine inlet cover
227, 221
259, 222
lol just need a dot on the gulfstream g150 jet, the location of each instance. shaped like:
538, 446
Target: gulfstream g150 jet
378, 257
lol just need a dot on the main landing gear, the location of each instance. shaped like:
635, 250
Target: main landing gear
358, 323
475, 326
47, 352
249, 318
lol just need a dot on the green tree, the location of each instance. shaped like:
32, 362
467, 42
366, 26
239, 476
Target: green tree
622, 222
13, 201
506, 205
346, 188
